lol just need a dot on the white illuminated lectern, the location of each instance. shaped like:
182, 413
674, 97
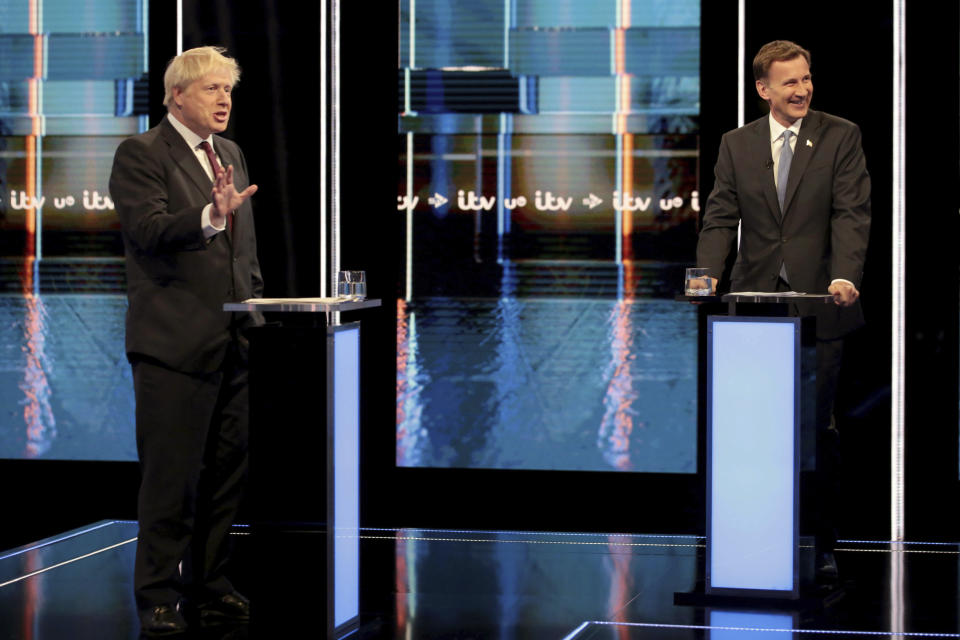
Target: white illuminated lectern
304, 436
760, 410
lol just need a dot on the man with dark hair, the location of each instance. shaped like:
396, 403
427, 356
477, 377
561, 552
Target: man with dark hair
796, 184
777, 51
182, 194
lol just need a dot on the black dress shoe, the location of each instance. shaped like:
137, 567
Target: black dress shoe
232, 608
826, 571
162, 620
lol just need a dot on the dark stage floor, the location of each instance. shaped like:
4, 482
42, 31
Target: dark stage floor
475, 584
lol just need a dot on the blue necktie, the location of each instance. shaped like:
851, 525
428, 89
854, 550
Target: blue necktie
783, 173
783, 170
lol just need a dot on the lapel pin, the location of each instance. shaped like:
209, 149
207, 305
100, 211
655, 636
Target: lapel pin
809, 144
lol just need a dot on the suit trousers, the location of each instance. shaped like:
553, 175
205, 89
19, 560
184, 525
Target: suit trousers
827, 482
828, 478
192, 433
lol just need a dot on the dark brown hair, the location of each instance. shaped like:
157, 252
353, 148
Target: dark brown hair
776, 51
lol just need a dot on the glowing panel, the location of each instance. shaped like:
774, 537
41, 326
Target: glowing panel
730, 625
344, 365
753, 378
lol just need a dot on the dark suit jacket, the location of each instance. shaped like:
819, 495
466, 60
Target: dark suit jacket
177, 281
824, 229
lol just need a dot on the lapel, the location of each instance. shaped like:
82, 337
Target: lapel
762, 159
225, 160
183, 156
221, 150
809, 131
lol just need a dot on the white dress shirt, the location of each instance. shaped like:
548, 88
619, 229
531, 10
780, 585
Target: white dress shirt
776, 142
193, 141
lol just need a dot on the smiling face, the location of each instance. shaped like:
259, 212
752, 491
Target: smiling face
788, 89
204, 106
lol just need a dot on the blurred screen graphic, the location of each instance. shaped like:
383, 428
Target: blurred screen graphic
547, 197
72, 87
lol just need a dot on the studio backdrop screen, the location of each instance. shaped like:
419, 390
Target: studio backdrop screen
547, 198
72, 87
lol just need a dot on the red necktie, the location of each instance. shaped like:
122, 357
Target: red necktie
217, 170
207, 149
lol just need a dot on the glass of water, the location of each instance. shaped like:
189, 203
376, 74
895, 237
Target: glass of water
698, 283
352, 285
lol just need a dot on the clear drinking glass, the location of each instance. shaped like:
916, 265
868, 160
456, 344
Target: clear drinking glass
697, 283
352, 285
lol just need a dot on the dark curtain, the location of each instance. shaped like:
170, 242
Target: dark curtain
276, 121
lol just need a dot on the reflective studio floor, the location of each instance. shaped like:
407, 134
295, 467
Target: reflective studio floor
476, 584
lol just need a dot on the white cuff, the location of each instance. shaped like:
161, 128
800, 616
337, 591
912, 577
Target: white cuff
208, 229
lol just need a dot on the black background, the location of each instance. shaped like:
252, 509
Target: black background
276, 121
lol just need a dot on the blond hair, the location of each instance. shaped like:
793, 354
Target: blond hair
193, 64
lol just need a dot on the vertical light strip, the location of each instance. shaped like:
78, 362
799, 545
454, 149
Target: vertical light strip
408, 280
34, 144
627, 222
502, 193
507, 21
179, 27
144, 22
741, 62
898, 276
613, 63
335, 151
411, 64
504, 180
741, 77
623, 223
503, 160
324, 147
413, 34
145, 31
41, 129
624, 107
618, 211
896, 603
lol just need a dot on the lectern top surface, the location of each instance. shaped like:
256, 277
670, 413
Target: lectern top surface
308, 305
776, 296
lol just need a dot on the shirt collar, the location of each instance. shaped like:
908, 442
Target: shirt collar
777, 129
192, 139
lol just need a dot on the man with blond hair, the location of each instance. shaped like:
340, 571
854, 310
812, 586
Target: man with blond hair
182, 194
796, 184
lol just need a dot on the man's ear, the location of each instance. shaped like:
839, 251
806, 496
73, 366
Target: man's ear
763, 90
177, 92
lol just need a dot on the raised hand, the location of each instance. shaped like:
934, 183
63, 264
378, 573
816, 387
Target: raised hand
225, 196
